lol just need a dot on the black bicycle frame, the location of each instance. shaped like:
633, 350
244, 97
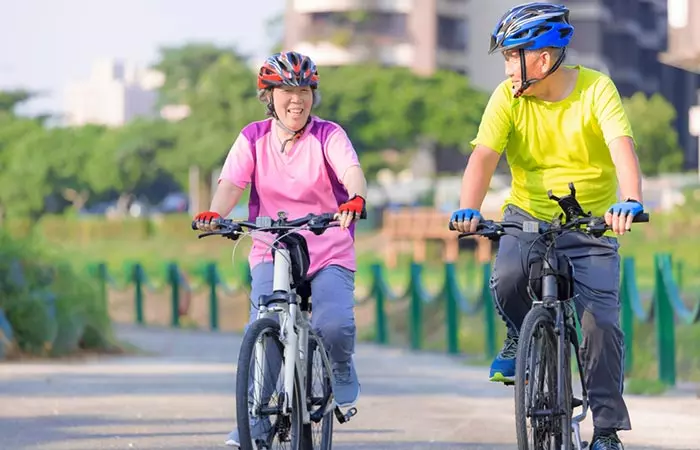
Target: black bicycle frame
550, 299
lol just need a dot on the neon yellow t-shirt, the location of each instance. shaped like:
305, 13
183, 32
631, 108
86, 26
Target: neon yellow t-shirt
550, 144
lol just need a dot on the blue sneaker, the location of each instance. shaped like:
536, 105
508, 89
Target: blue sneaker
503, 367
346, 388
607, 442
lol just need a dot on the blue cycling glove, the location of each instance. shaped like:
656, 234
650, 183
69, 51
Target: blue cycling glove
465, 215
628, 207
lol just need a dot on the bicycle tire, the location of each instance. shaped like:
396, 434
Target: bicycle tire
247, 351
326, 421
536, 317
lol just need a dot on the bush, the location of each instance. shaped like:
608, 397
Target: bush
52, 309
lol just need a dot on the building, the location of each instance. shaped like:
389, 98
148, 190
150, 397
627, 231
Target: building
623, 38
420, 34
683, 51
115, 93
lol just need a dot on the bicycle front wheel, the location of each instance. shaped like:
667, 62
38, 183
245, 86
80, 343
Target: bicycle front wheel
318, 433
262, 423
538, 417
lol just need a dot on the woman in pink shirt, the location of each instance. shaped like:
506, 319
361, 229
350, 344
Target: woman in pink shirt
300, 164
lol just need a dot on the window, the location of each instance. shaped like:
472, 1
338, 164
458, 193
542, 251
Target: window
587, 36
452, 33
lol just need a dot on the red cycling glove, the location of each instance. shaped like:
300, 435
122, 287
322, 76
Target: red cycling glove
207, 216
355, 205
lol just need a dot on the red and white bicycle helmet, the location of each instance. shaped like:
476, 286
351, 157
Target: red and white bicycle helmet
288, 69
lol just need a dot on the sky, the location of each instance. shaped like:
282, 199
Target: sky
46, 44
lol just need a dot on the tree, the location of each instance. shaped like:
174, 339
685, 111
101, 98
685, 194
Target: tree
183, 68
125, 158
71, 150
10, 99
223, 102
23, 169
652, 125
385, 108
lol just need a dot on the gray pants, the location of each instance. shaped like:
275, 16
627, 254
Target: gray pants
596, 265
333, 300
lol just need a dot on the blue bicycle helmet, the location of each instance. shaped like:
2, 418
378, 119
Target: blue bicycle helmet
533, 26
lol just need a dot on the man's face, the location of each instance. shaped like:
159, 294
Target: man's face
537, 63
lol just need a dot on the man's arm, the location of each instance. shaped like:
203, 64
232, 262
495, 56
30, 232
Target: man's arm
477, 177
617, 132
491, 140
629, 174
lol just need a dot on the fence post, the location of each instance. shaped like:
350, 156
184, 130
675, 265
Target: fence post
628, 274
489, 316
137, 277
379, 298
102, 280
213, 280
665, 329
174, 279
416, 308
451, 310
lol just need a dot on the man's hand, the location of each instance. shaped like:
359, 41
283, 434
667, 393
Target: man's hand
465, 220
353, 209
620, 215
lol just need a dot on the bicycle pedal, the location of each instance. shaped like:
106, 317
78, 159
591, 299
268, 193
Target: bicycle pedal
576, 402
509, 383
343, 418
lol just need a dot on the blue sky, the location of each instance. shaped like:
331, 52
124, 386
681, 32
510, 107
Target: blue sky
45, 44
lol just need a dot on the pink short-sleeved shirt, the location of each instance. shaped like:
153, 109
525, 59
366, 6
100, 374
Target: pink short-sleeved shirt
300, 181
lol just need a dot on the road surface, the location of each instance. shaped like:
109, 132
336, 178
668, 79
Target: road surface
180, 395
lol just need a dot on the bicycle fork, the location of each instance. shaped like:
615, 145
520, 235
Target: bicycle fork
290, 339
566, 336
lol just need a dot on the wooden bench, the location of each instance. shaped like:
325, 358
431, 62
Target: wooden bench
419, 225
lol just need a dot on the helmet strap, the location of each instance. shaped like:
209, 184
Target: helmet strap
525, 83
295, 134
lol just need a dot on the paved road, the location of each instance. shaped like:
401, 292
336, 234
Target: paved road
180, 396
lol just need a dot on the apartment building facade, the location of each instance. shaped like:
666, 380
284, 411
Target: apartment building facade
115, 93
683, 51
423, 35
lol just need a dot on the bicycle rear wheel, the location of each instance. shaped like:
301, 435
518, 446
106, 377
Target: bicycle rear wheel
318, 434
260, 392
537, 422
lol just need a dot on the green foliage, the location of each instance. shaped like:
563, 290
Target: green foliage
52, 308
183, 67
10, 99
657, 141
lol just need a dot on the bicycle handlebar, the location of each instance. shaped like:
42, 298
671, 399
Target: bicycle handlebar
593, 225
317, 224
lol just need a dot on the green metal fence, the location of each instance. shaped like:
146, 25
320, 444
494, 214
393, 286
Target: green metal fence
665, 308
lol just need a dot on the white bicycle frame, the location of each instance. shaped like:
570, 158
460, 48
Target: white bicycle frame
295, 345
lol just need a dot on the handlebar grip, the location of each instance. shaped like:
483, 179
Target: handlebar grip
641, 217
451, 227
194, 225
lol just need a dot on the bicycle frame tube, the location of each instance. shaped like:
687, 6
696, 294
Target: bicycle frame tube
550, 298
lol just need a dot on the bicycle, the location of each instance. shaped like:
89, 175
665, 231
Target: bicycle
550, 413
283, 317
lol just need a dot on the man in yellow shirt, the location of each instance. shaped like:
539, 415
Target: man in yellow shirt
558, 124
